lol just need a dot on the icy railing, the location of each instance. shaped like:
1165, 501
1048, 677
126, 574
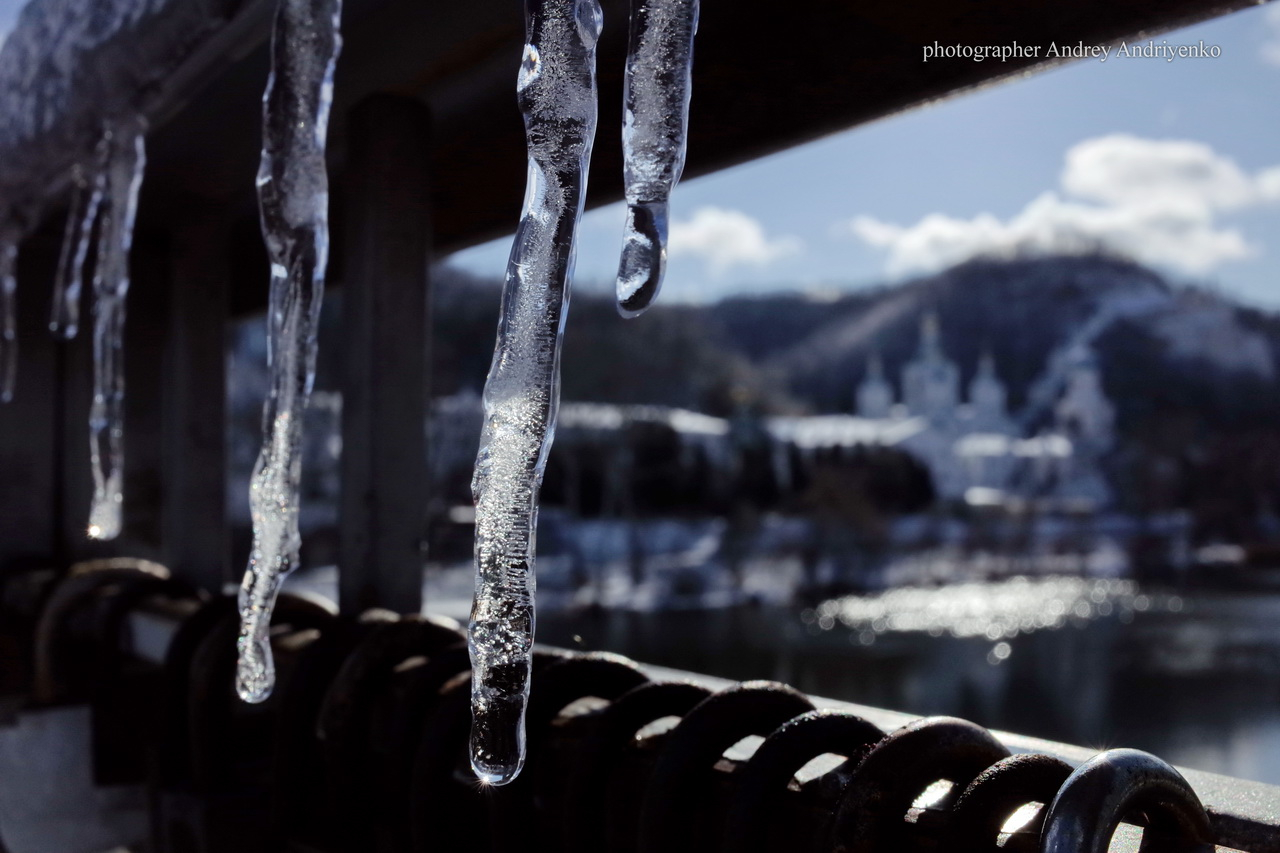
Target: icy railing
78, 83
68, 66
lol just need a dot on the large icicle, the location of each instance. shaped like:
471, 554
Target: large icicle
9, 237
557, 95
86, 197
293, 195
126, 161
654, 136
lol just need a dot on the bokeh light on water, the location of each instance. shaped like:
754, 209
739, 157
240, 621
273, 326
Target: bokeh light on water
995, 610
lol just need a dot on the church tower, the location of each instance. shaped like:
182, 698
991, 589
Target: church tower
988, 398
931, 381
1084, 413
875, 396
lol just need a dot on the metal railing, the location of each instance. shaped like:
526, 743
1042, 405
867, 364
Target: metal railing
363, 747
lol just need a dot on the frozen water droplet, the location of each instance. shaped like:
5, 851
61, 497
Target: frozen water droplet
255, 674
644, 258
497, 775
530, 67
522, 392
293, 196
105, 515
497, 733
125, 162
654, 138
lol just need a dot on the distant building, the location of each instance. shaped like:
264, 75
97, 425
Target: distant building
988, 400
931, 381
974, 450
875, 394
1084, 413
1087, 418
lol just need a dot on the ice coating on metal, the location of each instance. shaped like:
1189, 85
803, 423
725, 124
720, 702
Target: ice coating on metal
86, 198
654, 138
293, 195
556, 90
126, 160
44, 59
68, 66
9, 238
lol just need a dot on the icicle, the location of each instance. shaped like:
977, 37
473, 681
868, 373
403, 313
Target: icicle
293, 195
9, 238
86, 197
126, 161
556, 93
654, 136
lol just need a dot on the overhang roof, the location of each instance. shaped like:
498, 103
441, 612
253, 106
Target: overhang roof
765, 78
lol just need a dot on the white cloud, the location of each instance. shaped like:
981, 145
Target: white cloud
1271, 47
727, 238
1154, 200
1122, 170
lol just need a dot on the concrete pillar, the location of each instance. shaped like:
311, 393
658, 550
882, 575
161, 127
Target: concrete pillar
194, 494
28, 437
387, 247
145, 333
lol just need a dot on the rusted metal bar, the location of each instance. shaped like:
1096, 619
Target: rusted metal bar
1120, 782
1245, 815
998, 792
389, 701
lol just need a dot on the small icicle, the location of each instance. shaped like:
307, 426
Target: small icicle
126, 161
556, 92
654, 137
9, 238
293, 195
86, 197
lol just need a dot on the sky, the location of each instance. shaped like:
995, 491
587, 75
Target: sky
8, 15
1176, 164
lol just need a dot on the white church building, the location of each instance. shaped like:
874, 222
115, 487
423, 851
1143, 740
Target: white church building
974, 449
